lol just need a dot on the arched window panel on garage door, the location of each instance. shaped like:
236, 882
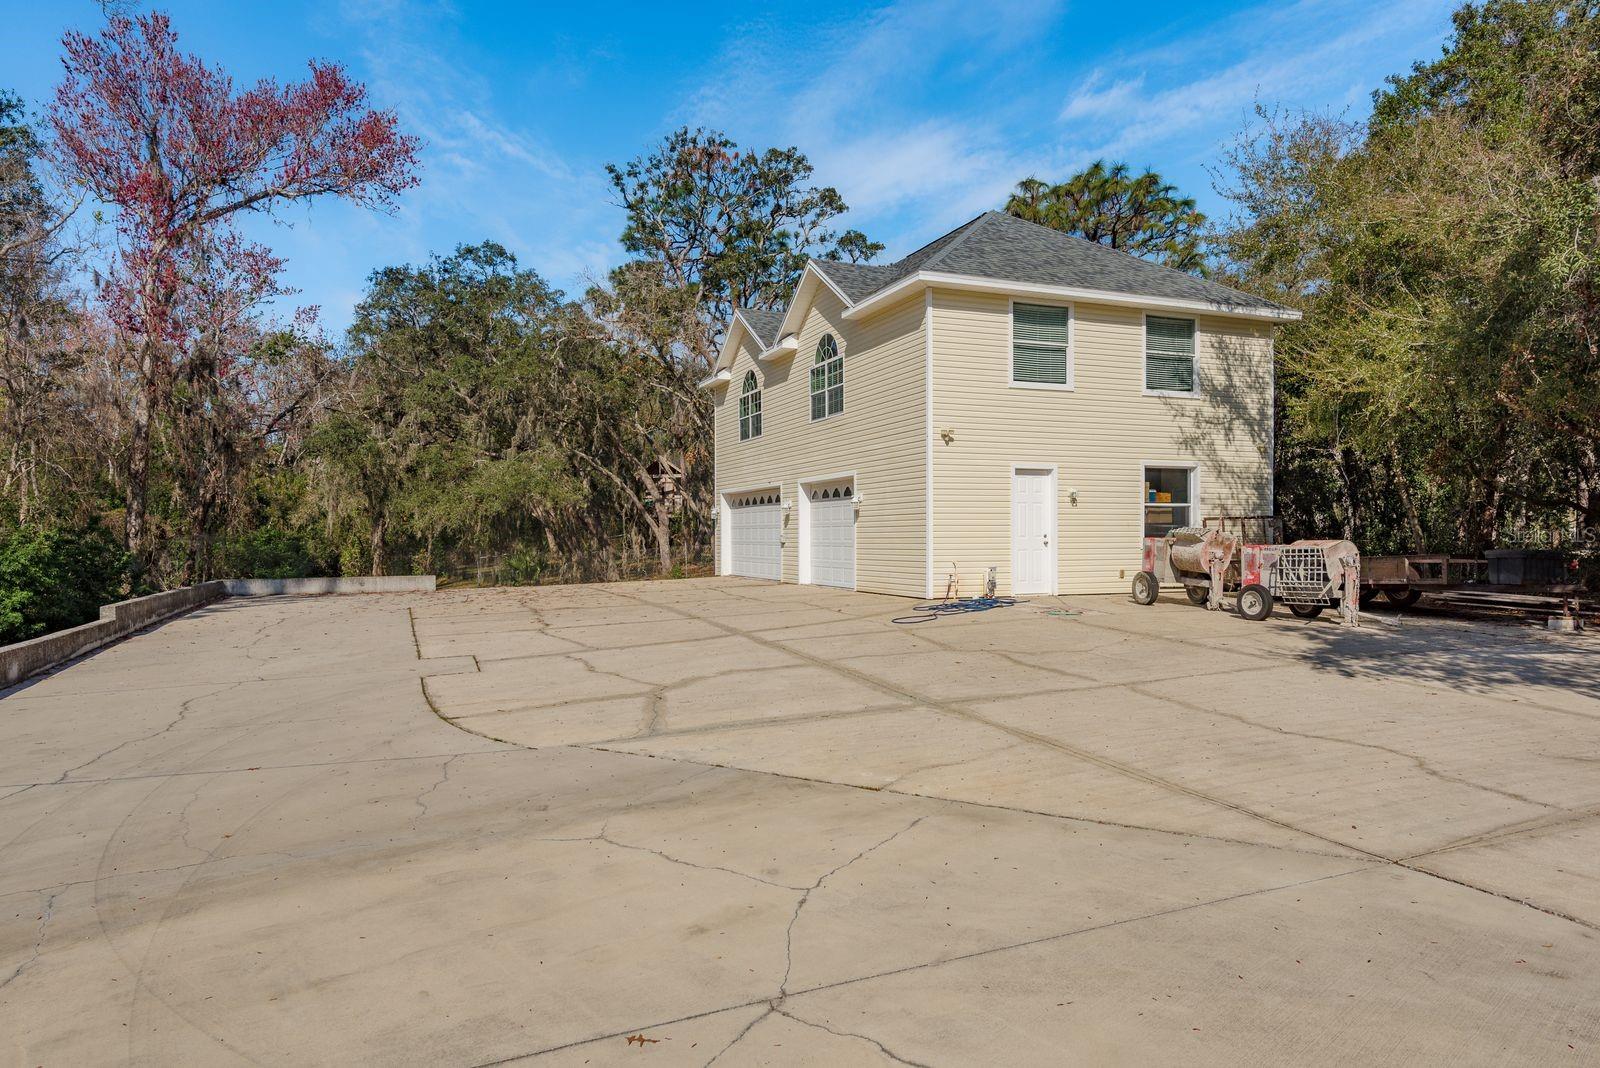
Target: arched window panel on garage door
831, 533
756, 520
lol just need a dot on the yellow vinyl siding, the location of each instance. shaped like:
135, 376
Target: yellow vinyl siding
879, 437
1097, 435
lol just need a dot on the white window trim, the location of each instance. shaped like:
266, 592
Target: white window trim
1193, 467
757, 393
1055, 525
803, 523
839, 346
1144, 356
1069, 385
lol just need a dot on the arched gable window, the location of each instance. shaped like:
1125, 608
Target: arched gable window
827, 380
750, 408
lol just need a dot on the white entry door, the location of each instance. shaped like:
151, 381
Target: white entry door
757, 520
831, 540
1033, 532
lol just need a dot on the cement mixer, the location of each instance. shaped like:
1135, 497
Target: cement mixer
1214, 560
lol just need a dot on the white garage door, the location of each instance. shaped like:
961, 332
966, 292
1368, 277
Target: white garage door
757, 534
832, 541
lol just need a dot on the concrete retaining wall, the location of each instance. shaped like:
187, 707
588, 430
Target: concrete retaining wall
19, 661
118, 620
346, 584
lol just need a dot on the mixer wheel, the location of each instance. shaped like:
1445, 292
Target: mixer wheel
1255, 602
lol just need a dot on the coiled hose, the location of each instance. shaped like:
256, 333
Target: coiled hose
927, 613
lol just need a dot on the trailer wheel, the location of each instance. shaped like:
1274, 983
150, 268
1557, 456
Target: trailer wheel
1197, 594
1367, 595
1306, 611
1145, 588
1255, 603
1402, 598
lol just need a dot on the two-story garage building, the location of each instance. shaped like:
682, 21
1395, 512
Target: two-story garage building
1008, 396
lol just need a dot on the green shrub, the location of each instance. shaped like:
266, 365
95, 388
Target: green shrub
268, 552
54, 578
523, 566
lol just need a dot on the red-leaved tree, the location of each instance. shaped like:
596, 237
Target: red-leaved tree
166, 140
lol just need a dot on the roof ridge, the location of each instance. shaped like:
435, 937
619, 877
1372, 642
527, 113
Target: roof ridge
899, 263
968, 227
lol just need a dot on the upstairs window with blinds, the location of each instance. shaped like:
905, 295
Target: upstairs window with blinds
827, 380
1040, 350
1168, 355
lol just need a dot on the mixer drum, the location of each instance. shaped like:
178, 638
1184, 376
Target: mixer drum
1188, 547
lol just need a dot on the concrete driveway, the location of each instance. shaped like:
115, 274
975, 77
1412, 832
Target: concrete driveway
718, 820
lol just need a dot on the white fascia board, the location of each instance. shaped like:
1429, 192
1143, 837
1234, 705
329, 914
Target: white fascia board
812, 265
715, 378
730, 345
1093, 296
786, 346
738, 315
811, 277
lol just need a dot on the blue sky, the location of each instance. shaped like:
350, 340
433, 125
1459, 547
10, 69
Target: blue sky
921, 112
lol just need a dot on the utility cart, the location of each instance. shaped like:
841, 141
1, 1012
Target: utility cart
1245, 556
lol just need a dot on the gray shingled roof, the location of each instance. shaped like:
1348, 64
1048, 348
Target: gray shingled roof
765, 323
1003, 248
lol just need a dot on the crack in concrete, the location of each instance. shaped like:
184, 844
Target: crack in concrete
805, 896
738, 725
1537, 825
1302, 660
600, 747
957, 709
606, 838
929, 965
183, 711
605, 835
881, 1048
183, 820
19, 790
1501, 894
38, 943
743, 1031
421, 800
965, 711
898, 779
1420, 762
508, 747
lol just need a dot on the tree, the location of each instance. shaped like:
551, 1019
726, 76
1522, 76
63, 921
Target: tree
39, 329
165, 139
1445, 255
458, 427
712, 227
54, 578
1140, 215
731, 225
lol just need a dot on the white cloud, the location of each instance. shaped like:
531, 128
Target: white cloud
852, 95
1291, 58
870, 100
1090, 100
